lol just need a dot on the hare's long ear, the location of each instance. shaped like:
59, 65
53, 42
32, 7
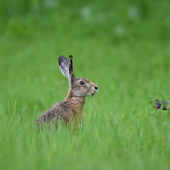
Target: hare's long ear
66, 68
71, 71
63, 63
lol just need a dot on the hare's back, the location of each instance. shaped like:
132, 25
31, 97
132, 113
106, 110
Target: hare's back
59, 110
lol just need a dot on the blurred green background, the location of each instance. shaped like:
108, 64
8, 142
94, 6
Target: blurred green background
122, 46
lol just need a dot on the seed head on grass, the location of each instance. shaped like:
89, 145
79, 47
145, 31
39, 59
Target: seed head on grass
158, 104
165, 105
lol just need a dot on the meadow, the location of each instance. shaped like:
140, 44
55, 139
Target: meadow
122, 46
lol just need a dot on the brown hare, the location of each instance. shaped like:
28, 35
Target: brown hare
71, 109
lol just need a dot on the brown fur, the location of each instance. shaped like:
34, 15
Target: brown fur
71, 109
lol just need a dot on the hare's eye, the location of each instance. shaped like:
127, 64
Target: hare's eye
82, 82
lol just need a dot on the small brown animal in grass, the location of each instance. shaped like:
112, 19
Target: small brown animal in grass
71, 109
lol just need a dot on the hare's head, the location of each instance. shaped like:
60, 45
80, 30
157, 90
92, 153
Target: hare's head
79, 87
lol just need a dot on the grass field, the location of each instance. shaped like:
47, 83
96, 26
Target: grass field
123, 47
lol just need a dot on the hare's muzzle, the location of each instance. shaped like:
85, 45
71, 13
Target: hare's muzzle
95, 90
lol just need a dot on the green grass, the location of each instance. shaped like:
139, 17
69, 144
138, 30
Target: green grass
128, 58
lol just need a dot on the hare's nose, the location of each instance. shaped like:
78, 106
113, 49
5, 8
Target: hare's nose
96, 87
